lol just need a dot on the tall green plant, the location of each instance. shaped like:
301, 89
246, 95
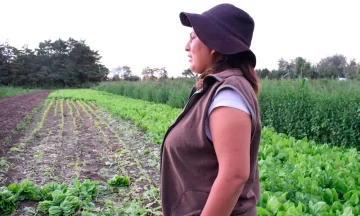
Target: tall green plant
323, 110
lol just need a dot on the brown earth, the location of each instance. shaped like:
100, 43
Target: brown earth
12, 111
72, 139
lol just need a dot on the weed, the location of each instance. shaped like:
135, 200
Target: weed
21, 126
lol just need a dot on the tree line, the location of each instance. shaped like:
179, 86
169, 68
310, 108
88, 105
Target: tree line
72, 63
125, 73
331, 67
56, 64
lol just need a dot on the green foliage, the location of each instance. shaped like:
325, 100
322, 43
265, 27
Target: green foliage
297, 177
53, 64
327, 111
26, 190
9, 91
171, 92
7, 201
119, 181
55, 199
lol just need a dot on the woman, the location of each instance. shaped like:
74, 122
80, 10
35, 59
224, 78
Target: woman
209, 154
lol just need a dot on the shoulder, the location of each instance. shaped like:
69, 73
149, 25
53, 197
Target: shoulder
230, 98
233, 78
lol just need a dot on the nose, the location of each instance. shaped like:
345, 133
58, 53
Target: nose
187, 46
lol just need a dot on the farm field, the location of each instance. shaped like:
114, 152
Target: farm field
78, 140
88, 134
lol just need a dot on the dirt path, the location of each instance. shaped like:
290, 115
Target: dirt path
73, 139
12, 111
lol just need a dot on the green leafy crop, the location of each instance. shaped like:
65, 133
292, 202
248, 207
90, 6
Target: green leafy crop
55, 199
119, 181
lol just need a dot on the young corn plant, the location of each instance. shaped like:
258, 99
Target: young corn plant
43, 119
96, 123
7, 139
75, 131
62, 123
56, 108
4, 167
77, 110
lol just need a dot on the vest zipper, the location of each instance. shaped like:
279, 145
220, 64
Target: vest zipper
176, 121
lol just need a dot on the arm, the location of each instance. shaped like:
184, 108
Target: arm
231, 134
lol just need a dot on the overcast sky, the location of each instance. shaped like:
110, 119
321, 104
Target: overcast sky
149, 33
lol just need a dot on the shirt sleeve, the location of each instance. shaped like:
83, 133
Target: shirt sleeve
229, 98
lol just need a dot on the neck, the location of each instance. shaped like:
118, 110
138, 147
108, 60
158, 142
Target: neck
199, 82
207, 72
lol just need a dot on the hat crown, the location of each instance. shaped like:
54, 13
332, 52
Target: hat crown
235, 20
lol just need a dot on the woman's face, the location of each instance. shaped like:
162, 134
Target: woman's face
201, 57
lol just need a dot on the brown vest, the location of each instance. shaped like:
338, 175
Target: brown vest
188, 161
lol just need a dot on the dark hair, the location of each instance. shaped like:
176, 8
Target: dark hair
242, 62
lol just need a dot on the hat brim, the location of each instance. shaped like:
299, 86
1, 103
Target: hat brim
209, 33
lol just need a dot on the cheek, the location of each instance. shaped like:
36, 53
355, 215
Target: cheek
197, 51
200, 56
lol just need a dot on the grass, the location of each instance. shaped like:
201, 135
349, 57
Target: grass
10, 91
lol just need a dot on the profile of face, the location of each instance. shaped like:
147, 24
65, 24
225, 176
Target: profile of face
201, 56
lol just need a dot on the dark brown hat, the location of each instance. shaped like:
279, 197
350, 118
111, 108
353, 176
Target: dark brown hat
224, 28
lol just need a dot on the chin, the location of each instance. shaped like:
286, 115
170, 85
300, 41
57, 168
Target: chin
193, 68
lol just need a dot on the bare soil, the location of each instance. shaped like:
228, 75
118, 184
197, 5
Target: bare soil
80, 140
12, 111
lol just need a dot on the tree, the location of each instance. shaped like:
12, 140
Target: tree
188, 72
302, 67
56, 63
283, 64
126, 72
147, 71
263, 73
285, 69
162, 72
351, 70
332, 66
118, 72
6, 57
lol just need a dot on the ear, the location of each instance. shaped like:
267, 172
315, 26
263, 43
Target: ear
213, 52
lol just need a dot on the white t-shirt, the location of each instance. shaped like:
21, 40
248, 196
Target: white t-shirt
226, 97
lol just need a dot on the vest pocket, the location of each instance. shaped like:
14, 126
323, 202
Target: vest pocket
191, 203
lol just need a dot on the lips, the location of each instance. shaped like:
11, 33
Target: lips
190, 58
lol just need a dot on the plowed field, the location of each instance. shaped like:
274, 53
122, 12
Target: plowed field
74, 139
